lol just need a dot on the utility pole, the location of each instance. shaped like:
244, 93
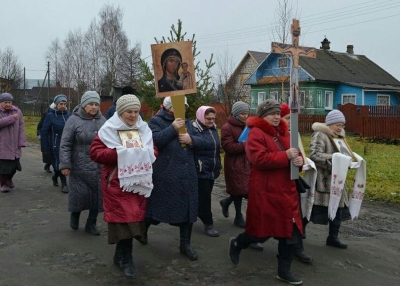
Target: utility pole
48, 82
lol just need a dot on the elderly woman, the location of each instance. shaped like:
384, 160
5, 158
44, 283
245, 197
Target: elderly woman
84, 174
50, 137
174, 199
273, 203
12, 139
126, 178
208, 164
321, 150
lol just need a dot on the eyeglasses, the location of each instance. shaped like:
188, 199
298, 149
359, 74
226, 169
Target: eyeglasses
210, 118
341, 126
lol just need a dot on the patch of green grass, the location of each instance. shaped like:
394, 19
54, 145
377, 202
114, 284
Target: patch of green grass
31, 123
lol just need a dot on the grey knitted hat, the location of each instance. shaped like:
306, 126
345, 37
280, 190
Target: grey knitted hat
335, 116
126, 102
267, 107
59, 98
89, 97
6, 97
239, 107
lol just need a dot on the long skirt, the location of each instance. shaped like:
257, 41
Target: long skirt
9, 167
120, 231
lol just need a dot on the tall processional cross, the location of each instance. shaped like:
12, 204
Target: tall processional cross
295, 51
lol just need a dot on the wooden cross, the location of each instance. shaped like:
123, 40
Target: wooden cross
295, 51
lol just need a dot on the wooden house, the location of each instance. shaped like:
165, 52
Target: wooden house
330, 79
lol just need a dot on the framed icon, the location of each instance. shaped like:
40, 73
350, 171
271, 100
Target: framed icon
130, 138
342, 147
174, 71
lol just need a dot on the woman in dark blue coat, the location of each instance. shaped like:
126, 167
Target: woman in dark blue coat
208, 164
50, 137
174, 196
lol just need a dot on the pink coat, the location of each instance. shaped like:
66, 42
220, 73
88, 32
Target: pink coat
273, 201
119, 206
12, 133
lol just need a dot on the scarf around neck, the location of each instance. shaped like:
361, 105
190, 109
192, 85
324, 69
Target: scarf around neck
135, 169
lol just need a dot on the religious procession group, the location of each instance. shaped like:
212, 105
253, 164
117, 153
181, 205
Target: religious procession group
169, 177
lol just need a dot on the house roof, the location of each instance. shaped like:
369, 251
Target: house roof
332, 66
258, 57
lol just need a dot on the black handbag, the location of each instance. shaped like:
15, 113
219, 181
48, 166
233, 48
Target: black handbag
301, 185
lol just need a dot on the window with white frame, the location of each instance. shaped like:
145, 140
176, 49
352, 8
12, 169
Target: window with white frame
302, 98
319, 99
261, 97
283, 62
309, 99
328, 99
348, 98
285, 97
383, 100
273, 95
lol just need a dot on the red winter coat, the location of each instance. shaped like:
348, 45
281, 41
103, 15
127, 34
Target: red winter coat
119, 206
236, 165
273, 201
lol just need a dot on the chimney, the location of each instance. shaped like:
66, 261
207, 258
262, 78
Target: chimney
325, 44
350, 49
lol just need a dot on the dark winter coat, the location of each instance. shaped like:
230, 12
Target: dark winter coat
236, 165
119, 206
12, 133
273, 201
174, 196
50, 137
84, 179
208, 160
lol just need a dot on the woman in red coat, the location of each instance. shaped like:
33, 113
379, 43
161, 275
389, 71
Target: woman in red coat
126, 178
273, 204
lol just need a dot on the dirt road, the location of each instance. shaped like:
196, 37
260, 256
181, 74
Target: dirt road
37, 246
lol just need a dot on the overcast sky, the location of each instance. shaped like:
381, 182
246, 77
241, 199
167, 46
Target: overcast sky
221, 26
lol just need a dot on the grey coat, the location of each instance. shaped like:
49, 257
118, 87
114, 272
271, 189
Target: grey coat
321, 150
84, 179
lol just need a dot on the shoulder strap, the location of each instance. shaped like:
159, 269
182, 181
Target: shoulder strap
279, 143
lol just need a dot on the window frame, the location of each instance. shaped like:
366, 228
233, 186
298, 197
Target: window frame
264, 94
283, 62
349, 95
382, 95
328, 106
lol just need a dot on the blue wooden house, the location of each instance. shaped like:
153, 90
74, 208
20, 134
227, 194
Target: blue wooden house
330, 79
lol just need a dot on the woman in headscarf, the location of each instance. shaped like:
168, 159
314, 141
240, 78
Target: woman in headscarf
273, 203
84, 174
208, 164
170, 61
126, 178
50, 137
12, 139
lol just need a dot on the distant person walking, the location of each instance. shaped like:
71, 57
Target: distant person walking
46, 157
50, 138
12, 139
84, 174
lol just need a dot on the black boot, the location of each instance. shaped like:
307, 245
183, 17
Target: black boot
284, 272
74, 221
225, 203
47, 167
55, 178
185, 237
91, 223
332, 239
123, 258
300, 254
64, 187
285, 258
234, 251
239, 221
